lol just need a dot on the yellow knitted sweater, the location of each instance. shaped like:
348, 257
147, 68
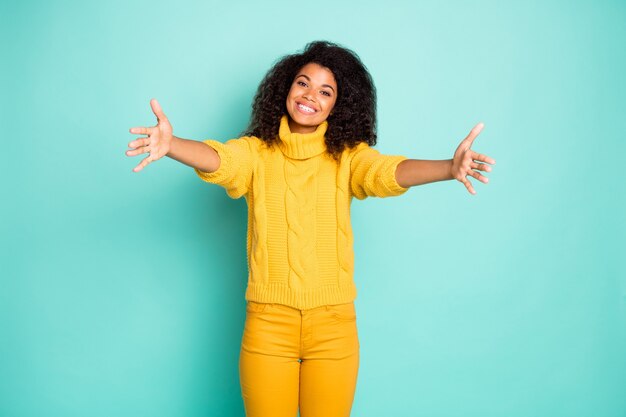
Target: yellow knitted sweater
300, 242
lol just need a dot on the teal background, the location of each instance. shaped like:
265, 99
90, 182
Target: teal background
121, 294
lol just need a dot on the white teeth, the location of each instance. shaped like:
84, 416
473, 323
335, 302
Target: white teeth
305, 108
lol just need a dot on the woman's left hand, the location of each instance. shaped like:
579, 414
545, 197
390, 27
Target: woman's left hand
467, 162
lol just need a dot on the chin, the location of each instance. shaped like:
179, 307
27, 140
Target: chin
306, 122
299, 120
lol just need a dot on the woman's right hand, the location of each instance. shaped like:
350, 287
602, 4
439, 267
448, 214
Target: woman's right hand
158, 141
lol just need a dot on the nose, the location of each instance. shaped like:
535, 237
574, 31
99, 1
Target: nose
308, 95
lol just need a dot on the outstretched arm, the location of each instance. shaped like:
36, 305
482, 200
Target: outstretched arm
465, 162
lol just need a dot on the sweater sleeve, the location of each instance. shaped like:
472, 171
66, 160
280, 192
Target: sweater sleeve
373, 174
236, 166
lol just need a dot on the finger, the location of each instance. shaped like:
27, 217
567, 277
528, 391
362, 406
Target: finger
139, 142
473, 133
143, 163
478, 176
140, 130
468, 185
157, 110
482, 158
481, 167
138, 151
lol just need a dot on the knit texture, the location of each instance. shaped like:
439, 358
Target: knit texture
300, 241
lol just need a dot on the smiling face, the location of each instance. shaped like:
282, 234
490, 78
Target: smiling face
311, 98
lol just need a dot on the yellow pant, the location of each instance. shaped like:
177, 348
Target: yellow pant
306, 359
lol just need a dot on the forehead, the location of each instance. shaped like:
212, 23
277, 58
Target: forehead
317, 73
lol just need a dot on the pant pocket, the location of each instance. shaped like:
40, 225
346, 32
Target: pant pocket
343, 312
254, 307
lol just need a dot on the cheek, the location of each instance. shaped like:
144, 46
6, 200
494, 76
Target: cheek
330, 105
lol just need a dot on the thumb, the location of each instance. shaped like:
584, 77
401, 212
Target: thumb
469, 140
156, 109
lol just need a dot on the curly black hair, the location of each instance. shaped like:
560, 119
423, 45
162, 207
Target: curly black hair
353, 119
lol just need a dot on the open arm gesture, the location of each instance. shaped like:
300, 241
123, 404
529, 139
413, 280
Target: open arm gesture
467, 162
158, 142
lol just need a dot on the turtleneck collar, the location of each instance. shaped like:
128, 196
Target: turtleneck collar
301, 145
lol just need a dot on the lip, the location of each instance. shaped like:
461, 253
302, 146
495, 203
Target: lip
298, 103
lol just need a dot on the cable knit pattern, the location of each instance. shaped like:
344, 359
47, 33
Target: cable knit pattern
300, 241
300, 215
345, 254
257, 228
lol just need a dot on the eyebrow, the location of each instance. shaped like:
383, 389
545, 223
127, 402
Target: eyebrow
323, 85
